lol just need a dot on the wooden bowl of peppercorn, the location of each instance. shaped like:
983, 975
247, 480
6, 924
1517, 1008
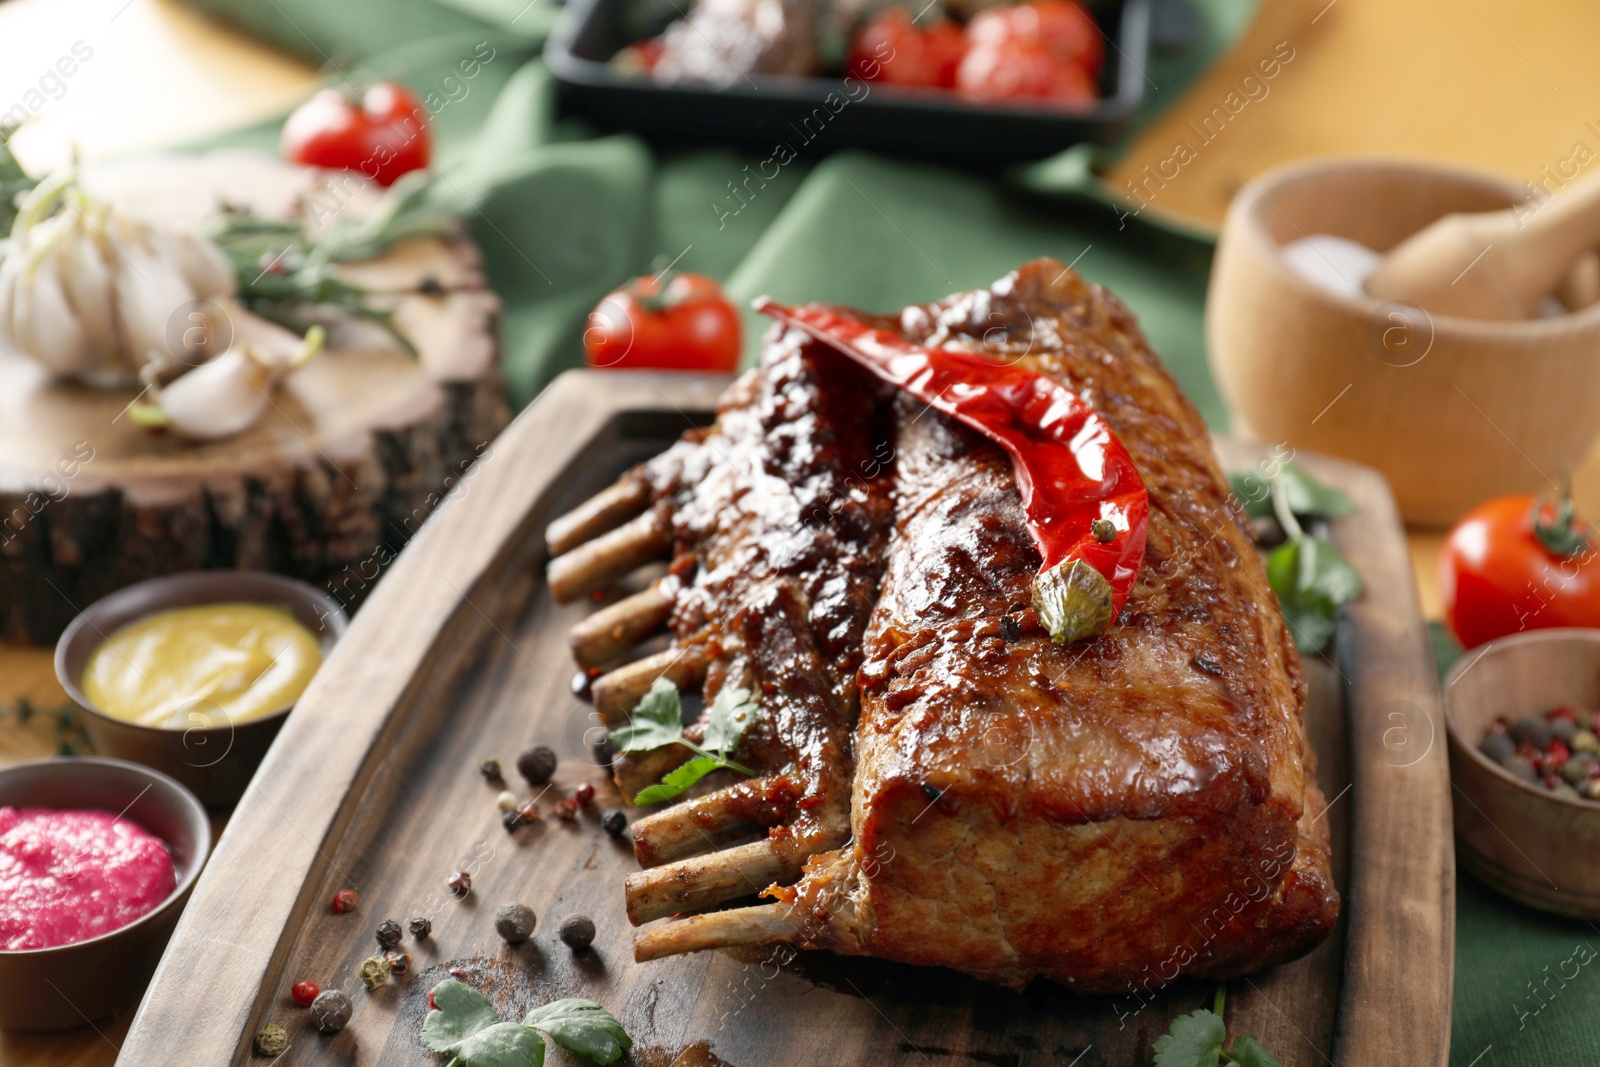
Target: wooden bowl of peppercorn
1521, 719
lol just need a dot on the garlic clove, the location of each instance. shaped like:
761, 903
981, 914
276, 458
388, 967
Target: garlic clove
218, 399
204, 266
89, 290
150, 291
54, 335
9, 273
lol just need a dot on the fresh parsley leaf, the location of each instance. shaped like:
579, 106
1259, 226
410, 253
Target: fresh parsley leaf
466, 1024
1302, 494
657, 721
1307, 496
730, 715
1193, 1040
678, 780
1312, 578
1248, 1052
582, 1027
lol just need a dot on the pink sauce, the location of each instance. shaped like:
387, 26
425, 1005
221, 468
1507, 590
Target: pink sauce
68, 876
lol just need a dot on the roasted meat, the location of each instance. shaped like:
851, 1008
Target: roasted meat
723, 42
1110, 814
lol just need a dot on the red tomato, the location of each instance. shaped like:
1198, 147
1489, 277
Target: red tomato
1065, 27
893, 49
1506, 568
681, 322
384, 138
1017, 69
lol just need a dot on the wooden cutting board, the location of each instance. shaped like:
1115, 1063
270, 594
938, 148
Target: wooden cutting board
461, 655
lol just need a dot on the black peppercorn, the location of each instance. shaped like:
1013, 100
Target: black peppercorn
490, 769
614, 823
510, 820
388, 933
1103, 531
421, 928
515, 922
537, 764
577, 931
330, 1011
1498, 747
460, 883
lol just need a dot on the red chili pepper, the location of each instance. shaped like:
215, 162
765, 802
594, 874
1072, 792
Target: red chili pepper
1076, 479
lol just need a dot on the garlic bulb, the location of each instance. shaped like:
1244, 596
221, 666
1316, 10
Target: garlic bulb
230, 393
91, 293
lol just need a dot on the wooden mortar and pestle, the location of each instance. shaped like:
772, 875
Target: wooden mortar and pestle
1500, 264
1434, 374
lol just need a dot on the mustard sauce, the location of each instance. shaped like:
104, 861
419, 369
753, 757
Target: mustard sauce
208, 665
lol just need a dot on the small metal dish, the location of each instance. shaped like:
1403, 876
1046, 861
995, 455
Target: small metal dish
74, 985
1521, 839
213, 757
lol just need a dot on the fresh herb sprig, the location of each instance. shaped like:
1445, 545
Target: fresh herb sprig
14, 182
283, 269
466, 1026
1197, 1039
658, 721
1308, 572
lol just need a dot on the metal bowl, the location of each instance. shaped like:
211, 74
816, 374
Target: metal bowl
74, 985
214, 757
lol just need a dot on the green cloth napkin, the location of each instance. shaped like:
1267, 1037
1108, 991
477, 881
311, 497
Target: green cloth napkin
564, 215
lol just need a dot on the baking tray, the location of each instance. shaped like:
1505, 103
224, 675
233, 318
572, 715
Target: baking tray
764, 112
461, 654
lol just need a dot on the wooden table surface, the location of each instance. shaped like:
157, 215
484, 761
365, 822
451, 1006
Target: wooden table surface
1367, 75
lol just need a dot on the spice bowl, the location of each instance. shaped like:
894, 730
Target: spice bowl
214, 757
1432, 401
1523, 840
73, 985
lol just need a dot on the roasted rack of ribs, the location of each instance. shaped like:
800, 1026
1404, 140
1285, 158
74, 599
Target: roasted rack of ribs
940, 783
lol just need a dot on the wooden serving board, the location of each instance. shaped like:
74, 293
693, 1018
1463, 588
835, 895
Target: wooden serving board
461, 655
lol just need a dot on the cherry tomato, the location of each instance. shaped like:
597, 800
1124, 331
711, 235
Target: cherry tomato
893, 49
1514, 564
1017, 69
1065, 27
385, 137
677, 322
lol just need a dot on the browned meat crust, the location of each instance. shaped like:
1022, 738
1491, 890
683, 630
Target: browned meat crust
1111, 814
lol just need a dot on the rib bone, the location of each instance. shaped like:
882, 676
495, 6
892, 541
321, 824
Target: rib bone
692, 884
612, 631
604, 511
759, 925
596, 564
618, 693
702, 824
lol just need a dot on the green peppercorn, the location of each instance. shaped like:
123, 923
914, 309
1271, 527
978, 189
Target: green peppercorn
577, 931
614, 823
490, 769
537, 764
1565, 790
388, 933
506, 801
421, 928
1586, 741
374, 971
515, 922
330, 1011
272, 1040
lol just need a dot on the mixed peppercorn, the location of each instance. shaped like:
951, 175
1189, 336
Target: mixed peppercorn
1558, 750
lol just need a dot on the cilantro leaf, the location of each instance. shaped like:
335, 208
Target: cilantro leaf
1248, 1052
678, 780
466, 1024
1193, 1040
1254, 492
657, 721
730, 715
582, 1027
